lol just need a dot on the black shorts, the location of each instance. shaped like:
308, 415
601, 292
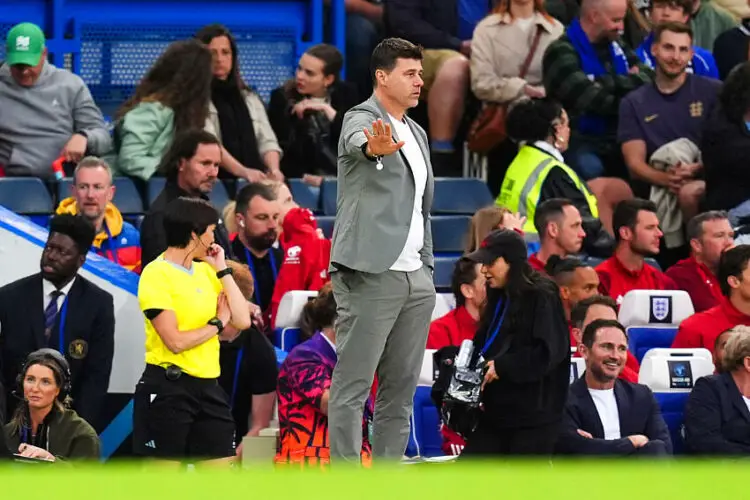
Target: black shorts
184, 418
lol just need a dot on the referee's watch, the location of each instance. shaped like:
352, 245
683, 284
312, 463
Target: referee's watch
217, 323
224, 272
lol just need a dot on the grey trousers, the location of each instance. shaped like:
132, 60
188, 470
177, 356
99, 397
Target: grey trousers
382, 326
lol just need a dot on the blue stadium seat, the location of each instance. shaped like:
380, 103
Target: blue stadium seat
460, 196
305, 195
280, 356
154, 189
424, 435
672, 406
643, 338
219, 197
328, 192
287, 338
27, 196
444, 272
449, 233
325, 222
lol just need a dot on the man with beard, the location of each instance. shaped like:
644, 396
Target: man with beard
92, 194
257, 214
605, 415
673, 107
677, 11
588, 70
638, 236
61, 310
191, 166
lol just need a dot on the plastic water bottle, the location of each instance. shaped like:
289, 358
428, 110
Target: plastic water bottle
464, 354
57, 168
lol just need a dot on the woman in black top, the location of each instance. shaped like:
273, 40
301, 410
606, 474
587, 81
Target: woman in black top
524, 339
306, 114
725, 147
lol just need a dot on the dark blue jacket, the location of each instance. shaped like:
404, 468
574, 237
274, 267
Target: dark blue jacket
639, 414
717, 421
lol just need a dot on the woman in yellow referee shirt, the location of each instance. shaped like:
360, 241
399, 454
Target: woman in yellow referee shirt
188, 296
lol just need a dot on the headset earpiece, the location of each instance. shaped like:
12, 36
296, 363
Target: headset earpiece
242, 223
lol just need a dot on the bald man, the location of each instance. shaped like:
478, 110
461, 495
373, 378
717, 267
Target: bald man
589, 82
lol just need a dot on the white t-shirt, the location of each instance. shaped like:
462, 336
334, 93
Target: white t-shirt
747, 402
606, 407
409, 260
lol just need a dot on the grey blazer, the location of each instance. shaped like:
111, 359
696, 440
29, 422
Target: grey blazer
374, 207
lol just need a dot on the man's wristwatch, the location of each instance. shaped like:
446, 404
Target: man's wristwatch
217, 323
224, 272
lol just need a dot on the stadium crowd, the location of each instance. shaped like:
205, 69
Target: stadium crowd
612, 135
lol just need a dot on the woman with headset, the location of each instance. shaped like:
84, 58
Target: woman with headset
44, 427
188, 297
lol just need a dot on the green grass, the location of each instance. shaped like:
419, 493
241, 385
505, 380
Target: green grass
608, 479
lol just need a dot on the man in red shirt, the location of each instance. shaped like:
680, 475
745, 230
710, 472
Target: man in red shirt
560, 228
638, 236
593, 308
702, 329
468, 286
710, 234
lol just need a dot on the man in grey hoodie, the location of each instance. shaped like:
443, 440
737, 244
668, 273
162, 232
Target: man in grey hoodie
45, 112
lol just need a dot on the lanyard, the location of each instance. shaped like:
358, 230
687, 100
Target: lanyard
497, 324
257, 295
112, 244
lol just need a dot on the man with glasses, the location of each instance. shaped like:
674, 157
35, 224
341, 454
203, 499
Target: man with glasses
92, 193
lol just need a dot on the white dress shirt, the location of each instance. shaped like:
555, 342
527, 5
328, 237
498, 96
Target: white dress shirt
48, 288
409, 259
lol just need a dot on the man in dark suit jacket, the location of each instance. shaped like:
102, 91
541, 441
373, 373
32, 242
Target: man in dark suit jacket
717, 414
61, 310
191, 166
605, 415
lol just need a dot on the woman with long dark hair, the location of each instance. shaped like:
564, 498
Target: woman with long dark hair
524, 340
171, 98
44, 427
237, 114
306, 114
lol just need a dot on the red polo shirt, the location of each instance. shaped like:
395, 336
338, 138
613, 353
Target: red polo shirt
698, 281
616, 280
536, 263
702, 329
452, 329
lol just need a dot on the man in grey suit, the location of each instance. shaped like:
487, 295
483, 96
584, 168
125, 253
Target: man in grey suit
381, 260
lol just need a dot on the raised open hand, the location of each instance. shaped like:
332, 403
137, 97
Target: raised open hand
380, 140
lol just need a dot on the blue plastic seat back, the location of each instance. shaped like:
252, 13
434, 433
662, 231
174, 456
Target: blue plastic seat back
460, 196
643, 338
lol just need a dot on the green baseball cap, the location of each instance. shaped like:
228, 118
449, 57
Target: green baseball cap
24, 45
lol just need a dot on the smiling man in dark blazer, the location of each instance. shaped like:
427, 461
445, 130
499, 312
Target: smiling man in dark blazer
59, 309
605, 415
381, 258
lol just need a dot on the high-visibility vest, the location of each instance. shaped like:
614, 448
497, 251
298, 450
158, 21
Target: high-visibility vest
523, 182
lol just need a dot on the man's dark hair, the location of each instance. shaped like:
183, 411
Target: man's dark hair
464, 273
184, 146
672, 27
332, 59
732, 263
389, 51
685, 5
626, 214
184, 216
250, 191
579, 311
589, 334
549, 211
79, 229
533, 119
561, 269
695, 225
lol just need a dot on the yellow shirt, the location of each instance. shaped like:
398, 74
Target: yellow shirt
192, 295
